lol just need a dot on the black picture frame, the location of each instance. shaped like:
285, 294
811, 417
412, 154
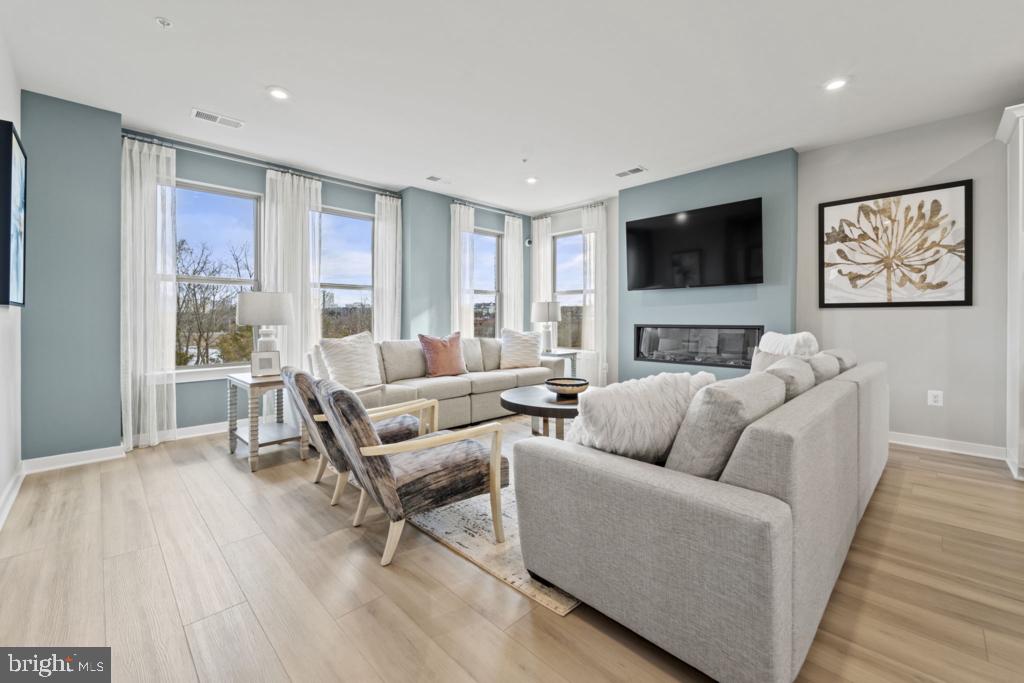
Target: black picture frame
967, 300
11, 145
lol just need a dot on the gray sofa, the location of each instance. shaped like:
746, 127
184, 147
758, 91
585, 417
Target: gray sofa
730, 575
462, 399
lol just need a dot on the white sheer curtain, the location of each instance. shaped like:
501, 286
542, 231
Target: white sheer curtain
387, 268
541, 272
290, 258
593, 361
463, 223
512, 274
148, 294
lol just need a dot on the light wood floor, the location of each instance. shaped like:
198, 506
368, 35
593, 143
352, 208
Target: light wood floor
191, 567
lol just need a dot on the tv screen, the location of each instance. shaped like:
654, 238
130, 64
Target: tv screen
716, 245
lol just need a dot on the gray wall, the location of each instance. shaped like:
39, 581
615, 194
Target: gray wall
772, 304
426, 261
70, 326
959, 350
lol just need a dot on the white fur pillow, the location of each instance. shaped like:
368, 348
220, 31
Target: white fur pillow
352, 361
800, 344
638, 418
519, 349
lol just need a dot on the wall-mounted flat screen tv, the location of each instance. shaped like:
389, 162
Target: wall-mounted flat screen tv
716, 245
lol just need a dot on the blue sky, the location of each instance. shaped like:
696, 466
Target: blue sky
485, 260
220, 221
346, 248
569, 262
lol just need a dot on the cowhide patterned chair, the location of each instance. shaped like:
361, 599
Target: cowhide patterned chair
393, 424
417, 475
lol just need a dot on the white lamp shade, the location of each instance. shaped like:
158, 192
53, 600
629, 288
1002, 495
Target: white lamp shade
264, 308
545, 312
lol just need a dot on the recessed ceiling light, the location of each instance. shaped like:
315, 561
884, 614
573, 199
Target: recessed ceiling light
835, 84
531, 181
164, 22
277, 92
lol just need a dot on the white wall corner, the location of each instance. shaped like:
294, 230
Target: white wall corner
1009, 121
9, 493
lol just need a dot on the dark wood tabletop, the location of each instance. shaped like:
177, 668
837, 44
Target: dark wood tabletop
537, 401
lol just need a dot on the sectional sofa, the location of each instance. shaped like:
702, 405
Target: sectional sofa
733, 574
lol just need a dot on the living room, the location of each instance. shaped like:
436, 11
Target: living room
686, 337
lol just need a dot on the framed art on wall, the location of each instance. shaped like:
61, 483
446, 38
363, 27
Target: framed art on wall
13, 177
904, 248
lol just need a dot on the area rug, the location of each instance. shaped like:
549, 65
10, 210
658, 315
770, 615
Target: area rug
466, 528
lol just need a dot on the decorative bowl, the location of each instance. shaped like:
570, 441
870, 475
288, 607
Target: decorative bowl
567, 388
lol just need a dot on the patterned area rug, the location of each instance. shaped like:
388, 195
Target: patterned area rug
466, 528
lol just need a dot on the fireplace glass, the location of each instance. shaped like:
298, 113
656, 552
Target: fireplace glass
730, 346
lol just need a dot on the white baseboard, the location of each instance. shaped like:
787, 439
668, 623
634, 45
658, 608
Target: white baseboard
1019, 476
9, 494
55, 462
978, 450
200, 430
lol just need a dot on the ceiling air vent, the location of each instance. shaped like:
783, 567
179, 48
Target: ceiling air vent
216, 118
631, 171
433, 178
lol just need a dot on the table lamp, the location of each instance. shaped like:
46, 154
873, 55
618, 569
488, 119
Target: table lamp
263, 309
546, 312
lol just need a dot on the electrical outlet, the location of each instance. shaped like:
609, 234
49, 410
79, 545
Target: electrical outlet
935, 398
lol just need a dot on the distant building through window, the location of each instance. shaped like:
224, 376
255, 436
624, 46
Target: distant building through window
346, 274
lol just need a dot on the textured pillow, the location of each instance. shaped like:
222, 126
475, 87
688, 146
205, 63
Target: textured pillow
320, 370
762, 360
796, 374
519, 349
824, 366
802, 344
637, 418
351, 361
443, 354
847, 358
716, 418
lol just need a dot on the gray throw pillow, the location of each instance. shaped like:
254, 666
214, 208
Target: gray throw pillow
796, 374
824, 366
847, 358
716, 418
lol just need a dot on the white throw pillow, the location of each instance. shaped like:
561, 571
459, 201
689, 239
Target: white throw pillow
352, 361
800, 344
519, 349
638, 418
320, 370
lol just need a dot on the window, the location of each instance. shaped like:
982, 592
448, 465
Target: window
216, 259
346, 274
571, 287
486, 279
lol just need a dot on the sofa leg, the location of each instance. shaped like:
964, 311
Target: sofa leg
320, 469
394, 534
339, 486
364, 502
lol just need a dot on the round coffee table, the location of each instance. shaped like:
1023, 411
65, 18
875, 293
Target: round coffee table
542, 405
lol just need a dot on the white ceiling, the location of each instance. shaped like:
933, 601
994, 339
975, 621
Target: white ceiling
392, 92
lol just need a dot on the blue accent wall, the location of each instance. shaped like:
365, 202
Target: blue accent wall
426, 260
773, 177
70, 330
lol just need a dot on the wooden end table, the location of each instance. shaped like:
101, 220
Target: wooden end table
542, 405
249, 430
571, 354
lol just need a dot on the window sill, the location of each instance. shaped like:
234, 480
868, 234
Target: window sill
185, 376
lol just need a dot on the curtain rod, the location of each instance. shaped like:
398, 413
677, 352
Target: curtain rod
198, 149
489, 209
571, 209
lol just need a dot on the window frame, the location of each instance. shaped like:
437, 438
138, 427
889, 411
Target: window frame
361, 215
199, 373
498, 246
582, 293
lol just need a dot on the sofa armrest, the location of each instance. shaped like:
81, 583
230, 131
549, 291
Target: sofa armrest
555, 365
700, 568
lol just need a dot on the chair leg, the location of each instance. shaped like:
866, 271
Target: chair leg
495, 475
364, 502
394, 533
339, 486
320, 469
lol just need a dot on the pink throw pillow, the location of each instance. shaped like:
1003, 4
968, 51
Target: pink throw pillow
444, 355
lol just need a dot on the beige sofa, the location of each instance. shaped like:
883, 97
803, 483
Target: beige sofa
463, 399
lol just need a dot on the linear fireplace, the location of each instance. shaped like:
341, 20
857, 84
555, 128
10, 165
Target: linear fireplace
725, 346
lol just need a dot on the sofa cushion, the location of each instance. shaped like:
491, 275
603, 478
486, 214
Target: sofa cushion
438, 387
526, 377
386, 395
519, 349
443, 355
490, 352
352, 361
716, 418
796, 373
847, 358
762, 360
824, 366
472, 355
403, 359
496, 380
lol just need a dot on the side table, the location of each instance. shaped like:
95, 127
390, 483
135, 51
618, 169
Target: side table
570, 354
250, 430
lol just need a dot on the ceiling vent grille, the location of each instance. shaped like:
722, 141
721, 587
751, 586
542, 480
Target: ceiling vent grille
630, 171
433, 178
201, 115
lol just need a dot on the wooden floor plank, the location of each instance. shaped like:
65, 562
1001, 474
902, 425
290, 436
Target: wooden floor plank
127, 524
230, 647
